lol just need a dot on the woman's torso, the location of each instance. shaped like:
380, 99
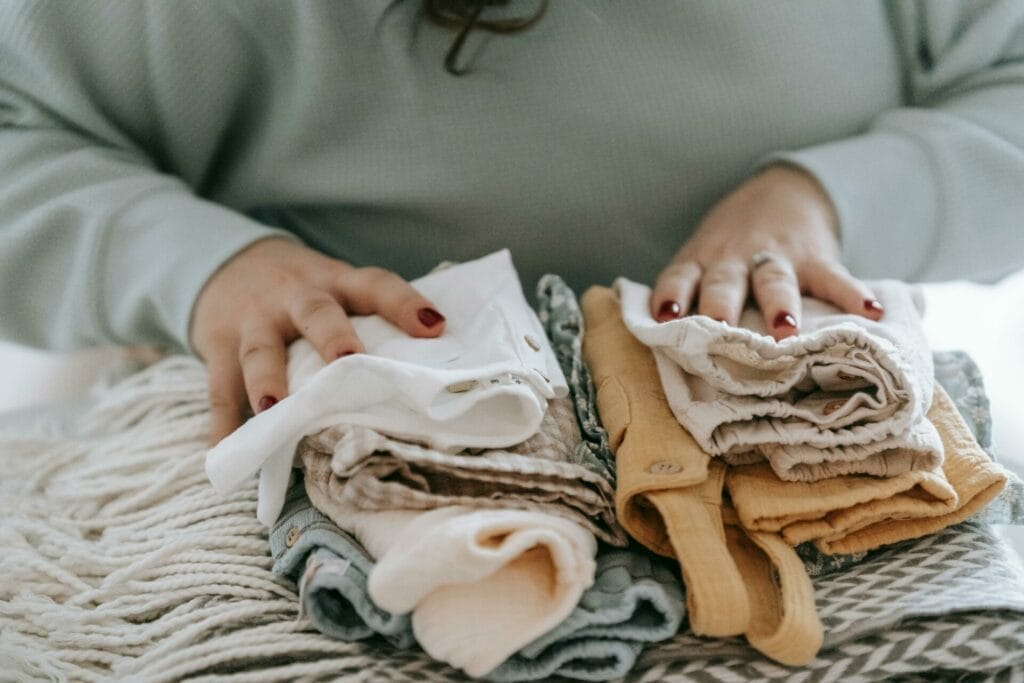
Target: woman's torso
590, 144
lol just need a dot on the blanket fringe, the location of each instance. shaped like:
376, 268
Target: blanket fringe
121, 562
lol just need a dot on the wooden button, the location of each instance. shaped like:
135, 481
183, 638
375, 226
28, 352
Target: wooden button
461, 387
664, 467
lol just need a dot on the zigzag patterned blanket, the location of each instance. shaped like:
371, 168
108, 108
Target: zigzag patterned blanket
946, 604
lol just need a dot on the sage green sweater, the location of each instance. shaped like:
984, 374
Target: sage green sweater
143, 143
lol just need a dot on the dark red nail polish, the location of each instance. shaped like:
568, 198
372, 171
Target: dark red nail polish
784, 319
669, 310
342, 354
872, 306
266, 403
429, 317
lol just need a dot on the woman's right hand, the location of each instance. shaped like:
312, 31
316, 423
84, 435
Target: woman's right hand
275, 291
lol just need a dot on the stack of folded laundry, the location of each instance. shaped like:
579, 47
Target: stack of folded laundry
462, 494
732, 448
448, 496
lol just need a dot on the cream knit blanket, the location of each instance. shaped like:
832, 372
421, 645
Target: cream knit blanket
120, 562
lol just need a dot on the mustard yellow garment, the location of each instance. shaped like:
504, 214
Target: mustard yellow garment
857, 513
669, 497
783, 622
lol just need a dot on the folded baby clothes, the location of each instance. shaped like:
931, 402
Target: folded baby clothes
331, 569
669, 498
644, 436
484, 383
653, 454
550, 472
857, 513
847, 395
635, 599
953, 369
480, 584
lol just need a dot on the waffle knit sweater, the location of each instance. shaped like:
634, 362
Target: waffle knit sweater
144, 143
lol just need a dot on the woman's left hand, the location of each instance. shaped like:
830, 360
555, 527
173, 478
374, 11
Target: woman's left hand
773, 237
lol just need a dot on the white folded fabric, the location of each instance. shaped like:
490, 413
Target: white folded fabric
846, 395
481, 584
484, 383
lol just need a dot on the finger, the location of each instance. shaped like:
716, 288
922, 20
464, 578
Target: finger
777, 293
723, 291
832, 282
674, 290
263, 361
319, 317
366, 291
227, 394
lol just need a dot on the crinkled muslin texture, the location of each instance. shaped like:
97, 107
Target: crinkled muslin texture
738, 581
847, 395
635, 599
480, 584
484, 383
550, 472
331, 569
857, 513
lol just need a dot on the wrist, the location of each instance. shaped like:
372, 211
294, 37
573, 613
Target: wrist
809, 191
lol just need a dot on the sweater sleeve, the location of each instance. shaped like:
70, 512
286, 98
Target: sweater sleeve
933, 190
98, 243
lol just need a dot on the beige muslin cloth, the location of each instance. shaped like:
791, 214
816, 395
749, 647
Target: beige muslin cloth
856, 513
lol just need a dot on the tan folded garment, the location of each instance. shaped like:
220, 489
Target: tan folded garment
653, 451
669, 498
551, 472
784, 622
857, 513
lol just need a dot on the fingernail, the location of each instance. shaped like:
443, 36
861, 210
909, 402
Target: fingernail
721, 320
784, 319
342, 354
266, 403
669, 310
872, 306
429, 317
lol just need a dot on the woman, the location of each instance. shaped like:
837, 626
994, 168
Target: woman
227, 176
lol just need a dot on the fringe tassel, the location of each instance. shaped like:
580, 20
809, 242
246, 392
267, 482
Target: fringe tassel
120, 561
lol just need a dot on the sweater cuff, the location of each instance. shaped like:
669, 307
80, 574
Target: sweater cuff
886, 196
161, 255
